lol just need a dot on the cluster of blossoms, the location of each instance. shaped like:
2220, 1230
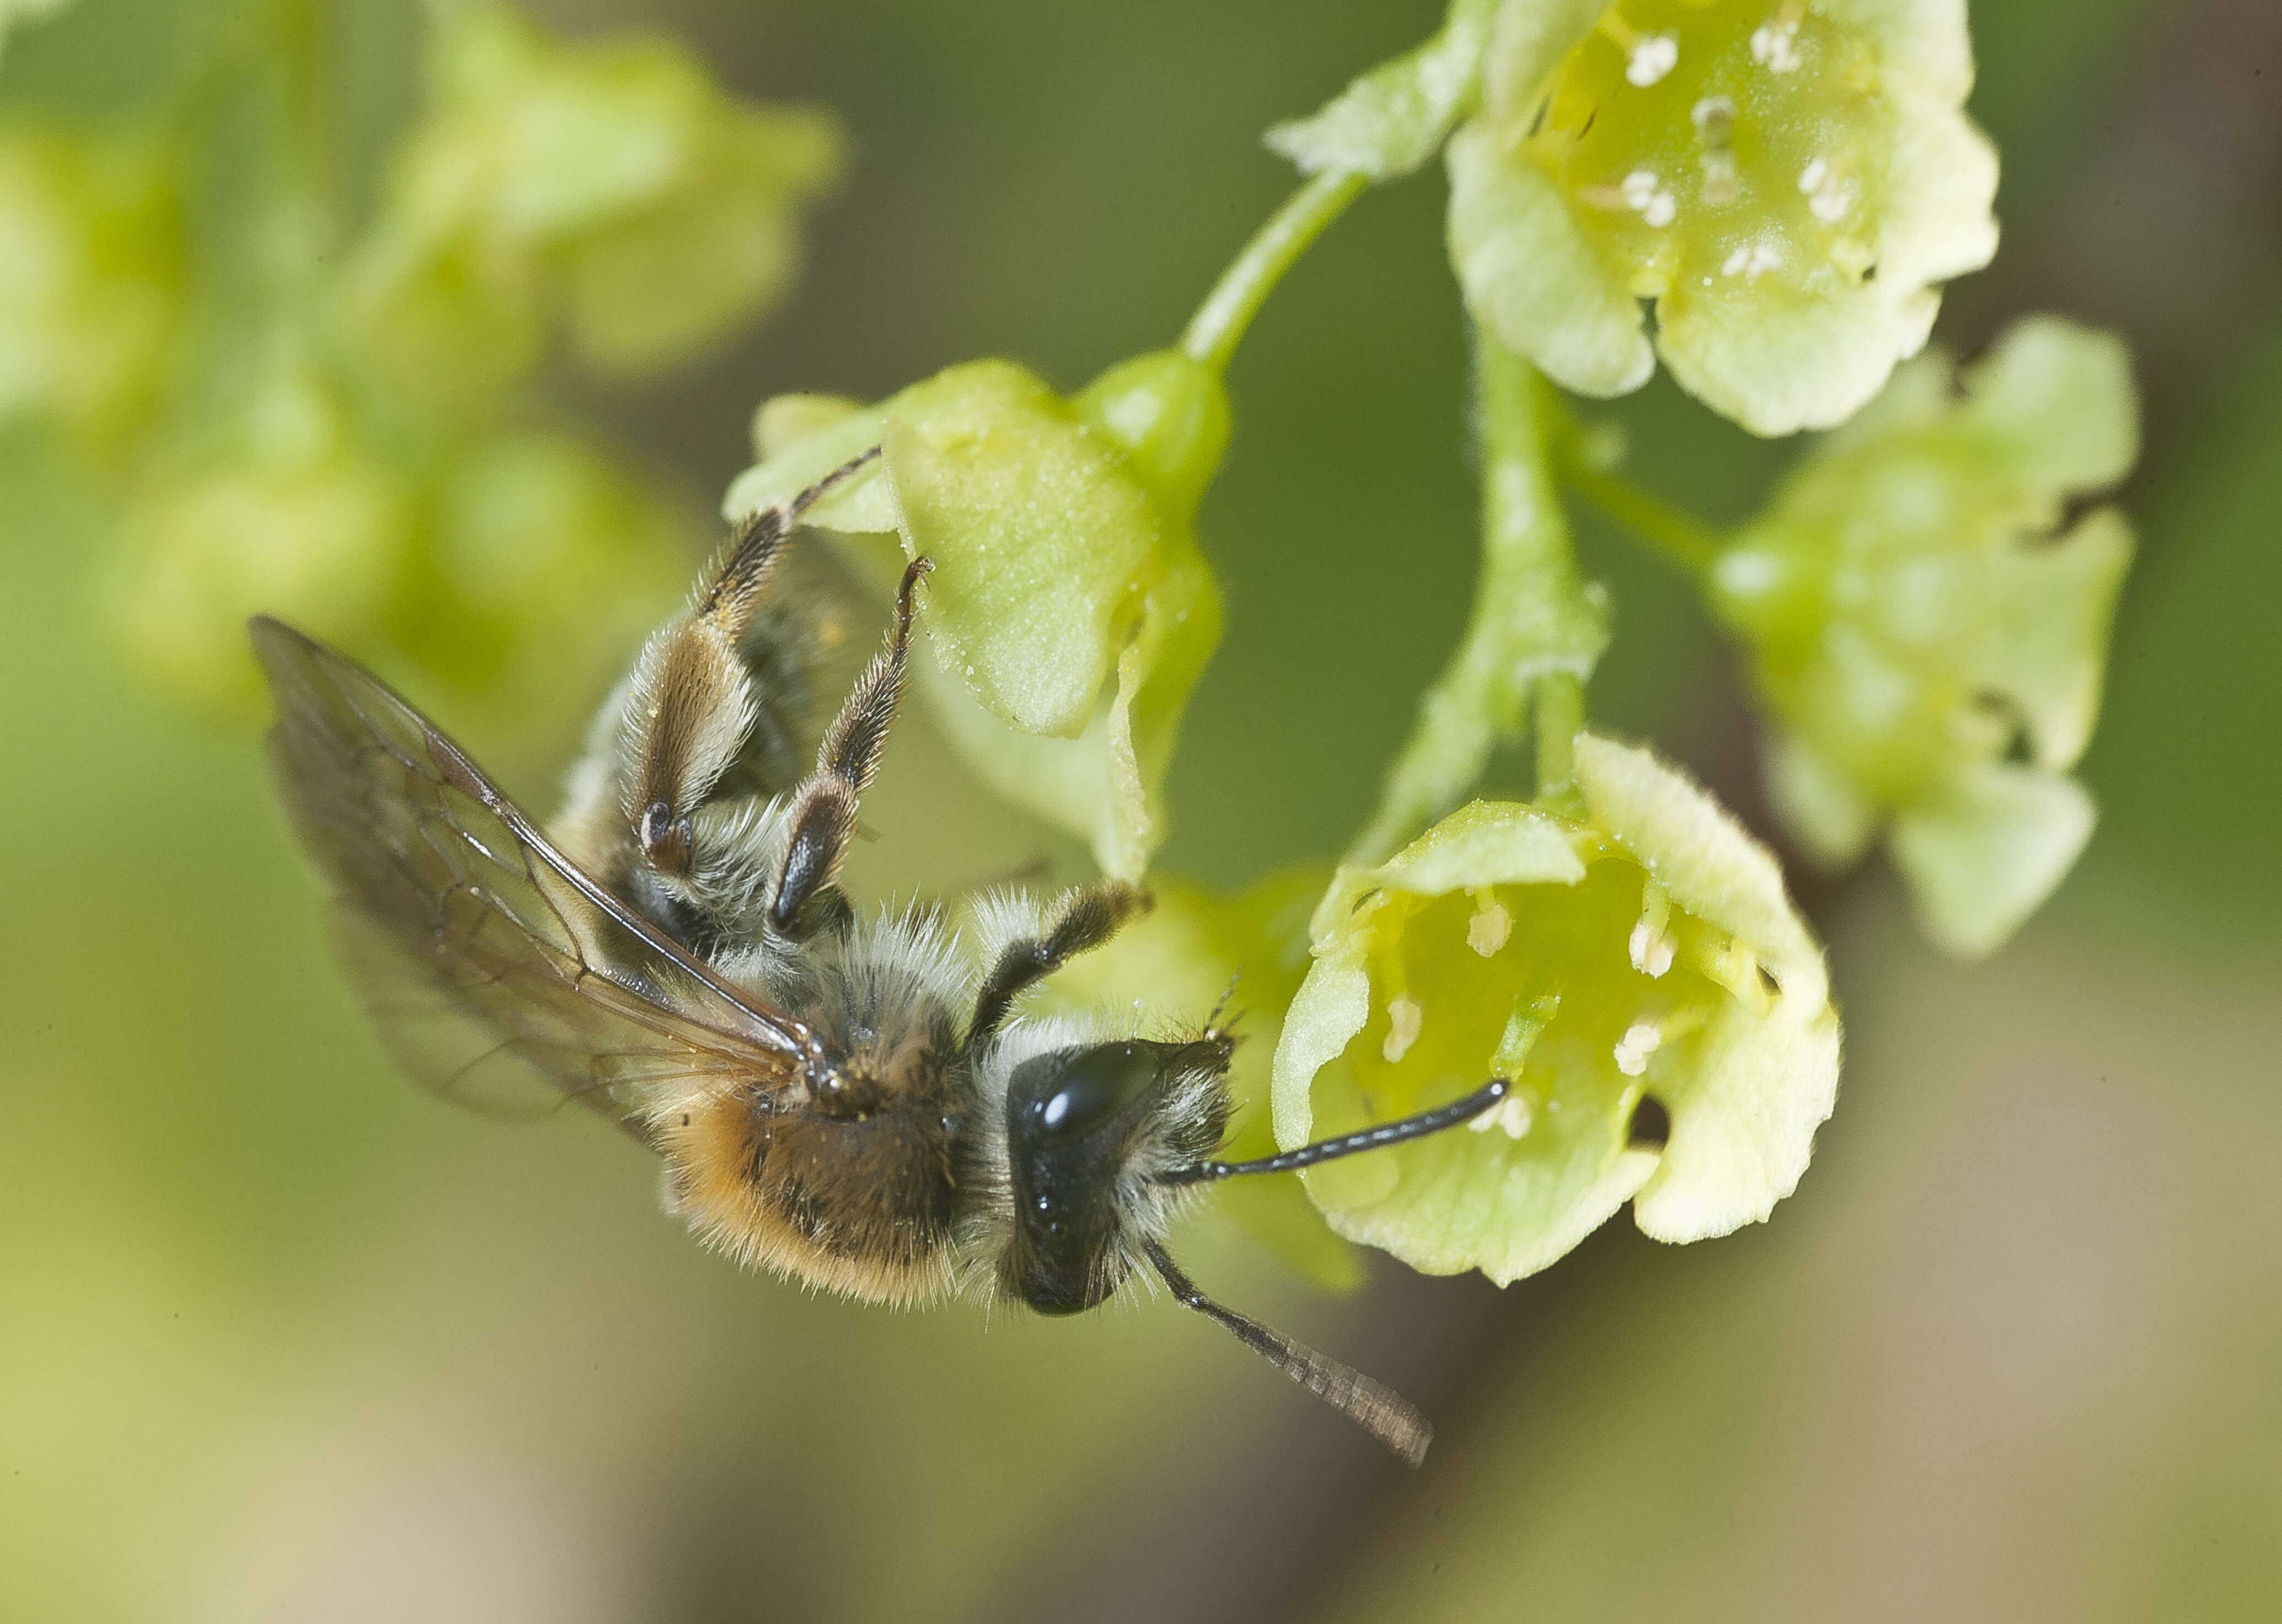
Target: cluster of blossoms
1787, 183
331, 426
1783, 184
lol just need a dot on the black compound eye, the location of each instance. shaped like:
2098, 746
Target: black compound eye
1095, 1086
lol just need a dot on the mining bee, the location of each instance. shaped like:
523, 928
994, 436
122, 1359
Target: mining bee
854, 1101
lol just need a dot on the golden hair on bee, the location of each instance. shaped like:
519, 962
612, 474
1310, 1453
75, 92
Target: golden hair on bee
853, 1103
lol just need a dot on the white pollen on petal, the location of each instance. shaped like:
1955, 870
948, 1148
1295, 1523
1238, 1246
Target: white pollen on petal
1813, 174
1642, 1039
1488, 929
1659, 210
1751, 260
1405, 1020
1775, 46
1651, 950
1651, 59
1511, 1114
1638, 188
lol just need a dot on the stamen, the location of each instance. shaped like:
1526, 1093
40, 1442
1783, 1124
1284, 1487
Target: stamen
1774, 44
1752, 260
1490, 926
1404, 1022
1642, 1039
1651, 945
1654, 56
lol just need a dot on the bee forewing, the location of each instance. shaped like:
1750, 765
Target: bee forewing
499, 975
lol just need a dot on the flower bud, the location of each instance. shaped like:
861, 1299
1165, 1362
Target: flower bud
1917, 619
1637, 973
1789, 181
1069, 612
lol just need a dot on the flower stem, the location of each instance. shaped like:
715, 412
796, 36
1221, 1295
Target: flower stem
1560, 713
1219, 323
1684, 540
1536, 624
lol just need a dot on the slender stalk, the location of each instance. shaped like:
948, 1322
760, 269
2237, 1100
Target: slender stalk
1219, 323
1560, 713
1684, 540
1535, 624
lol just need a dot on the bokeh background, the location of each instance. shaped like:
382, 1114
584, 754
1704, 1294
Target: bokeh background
282, 1337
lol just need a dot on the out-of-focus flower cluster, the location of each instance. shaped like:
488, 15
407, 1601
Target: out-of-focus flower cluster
326, 426
609, 184
1928, 622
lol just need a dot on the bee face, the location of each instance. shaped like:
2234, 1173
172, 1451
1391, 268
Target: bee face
1087, 1130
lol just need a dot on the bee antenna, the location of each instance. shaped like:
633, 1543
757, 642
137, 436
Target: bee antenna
1349, 1144
1213, 1027
1378, 1408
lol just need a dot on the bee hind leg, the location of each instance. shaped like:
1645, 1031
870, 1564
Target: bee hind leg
663, 810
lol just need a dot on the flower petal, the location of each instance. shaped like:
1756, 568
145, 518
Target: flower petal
1982, 856
1691, 846
1391, 118
2049, 649
1533, 278
1742, 1134
2058, 397
1829, 817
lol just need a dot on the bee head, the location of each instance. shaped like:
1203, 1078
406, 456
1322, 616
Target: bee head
1090, 1130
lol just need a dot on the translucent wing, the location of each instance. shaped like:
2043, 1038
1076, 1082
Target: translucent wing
496, 972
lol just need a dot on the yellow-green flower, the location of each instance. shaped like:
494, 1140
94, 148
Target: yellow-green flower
1191, 951
290, 513
1918, 619
1639, 974
1069, 613
612, 179
90, 276
546, 564
1788, 181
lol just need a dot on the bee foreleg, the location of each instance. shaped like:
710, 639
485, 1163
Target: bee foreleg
1089, 916
823, 813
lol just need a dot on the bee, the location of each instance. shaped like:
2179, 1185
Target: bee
853, 1101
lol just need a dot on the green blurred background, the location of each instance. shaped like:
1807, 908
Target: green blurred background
280, 1338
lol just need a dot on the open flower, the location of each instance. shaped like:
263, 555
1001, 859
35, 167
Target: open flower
612, 176
90, 276
287, 510
1789, 181
1069, 613
1637, 972
547, 562
1929, 641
